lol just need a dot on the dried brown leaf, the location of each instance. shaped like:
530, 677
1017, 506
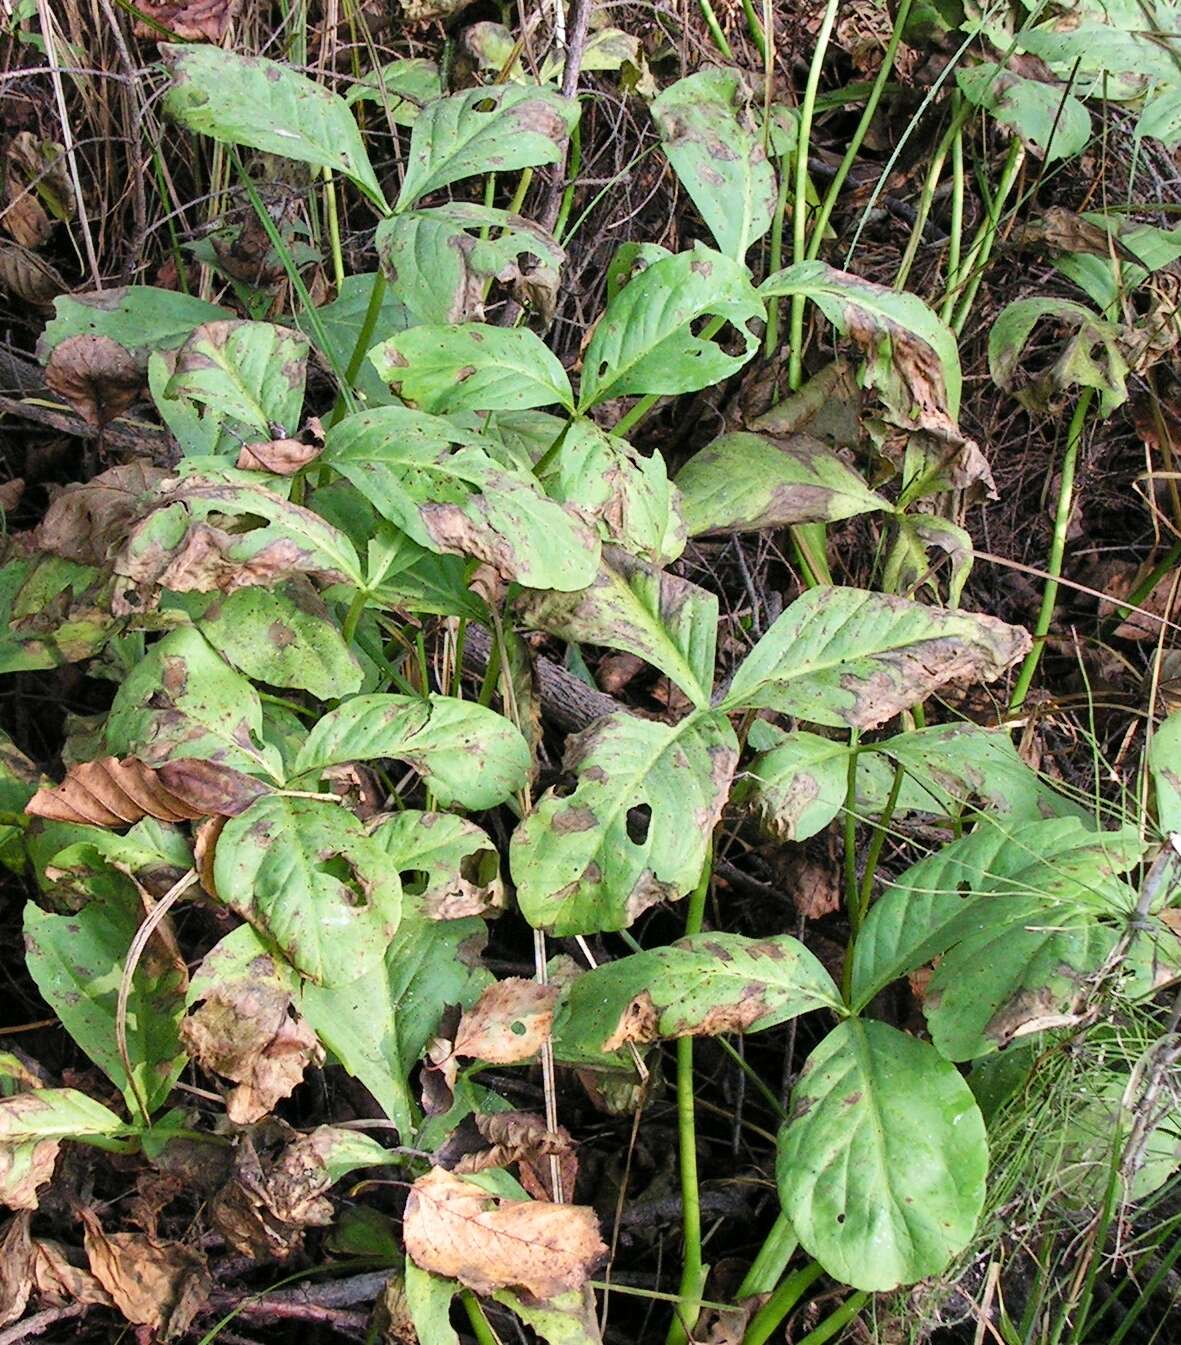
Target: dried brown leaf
264, 1208
510, 1022
210, 789
88, 521
97, 376
191, 20
162, 1285
523, 1138
11, 493
26, 276
16, 1267
58, 1281
110, 793
23, 1168
204, 847
454, 1228
284, 457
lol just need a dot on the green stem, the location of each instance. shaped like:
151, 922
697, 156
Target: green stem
956, 236
482, 1331
353, 615
572, 172
799, 216
693, 1271
1163, 567
766, 1270
368, 324
715, 29
333, 230
775, 263
854, 148
781, 1302
754, 26
972, 271
1074, 437
881, 830
927, 197
836, 1321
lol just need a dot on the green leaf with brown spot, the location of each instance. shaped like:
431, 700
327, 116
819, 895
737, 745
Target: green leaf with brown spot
448, 490
182, 701
1164, 764
644, 342
249, 100
140, 318
472, 366
494, 129
632, 606
310, 880
449, 867
743, 482
466, 753
700, 986
848, 657
711, 139
1091, 356
636, 827
32, 1126
882, 1166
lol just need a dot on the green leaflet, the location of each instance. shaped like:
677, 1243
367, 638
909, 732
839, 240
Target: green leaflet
643, 343
77, 962
442, 487
700, 986
429, 1298
1077, 366
140, 318
1164, 763
1051, 123
252, 373
181, 701
402, 87
848, 657
634, 831
711, 140
304, 873
743, 482
467, 754
439, 261
249, 100
631, 606
799, 786
882, 1165
472, 366
500, 128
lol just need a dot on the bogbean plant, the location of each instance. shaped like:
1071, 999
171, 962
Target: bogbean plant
263, 631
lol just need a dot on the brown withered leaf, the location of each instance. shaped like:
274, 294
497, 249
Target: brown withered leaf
88, 521
97, 376
210, 789
16, 1267
29, 277
246, 1029
162, 1285
263, 1209
510, 1022
284, 457
191, 20
1140, 625
523, 1138
109, 793
11, 493
454, 1228
204, 848
59, 1281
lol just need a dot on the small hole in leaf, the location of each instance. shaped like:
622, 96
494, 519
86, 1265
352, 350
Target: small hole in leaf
518, 1028
414, 882
840, 1218
479, 868
638, 821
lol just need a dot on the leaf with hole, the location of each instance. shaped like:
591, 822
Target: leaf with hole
635, 829
472, 367
466, 753
448, 866
441, 261
632, 606
483, 130
304, 873
710, 137
743, 482
441, 486
647, 342
845, 657
1092, 356
882, 1165
249, 100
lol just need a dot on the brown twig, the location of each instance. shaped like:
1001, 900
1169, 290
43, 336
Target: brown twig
40, 1322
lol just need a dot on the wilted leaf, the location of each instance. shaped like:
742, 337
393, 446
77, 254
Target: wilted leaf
882, 1164
248, 100
98, 378
26, 275
711, 140
454, 1228
627, 494
798, 787
847, 657
697, 987
465, 752
190, 20
182, 701
32, 1126
441, 486
162, 1285
632, 606
285, 637
509, 1023
440, 261
245, 1026
523, 1138
1076, 366
77, 962
283, 457
644, 343
743, 482
16, 1267
1051, 122
59, 1281
472, 366
449, 867
635, 829
504, 126
88, 521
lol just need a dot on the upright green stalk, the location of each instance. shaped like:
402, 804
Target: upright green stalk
715, 29
333, 230
972, 272
927, 196
799, 217
781, 1302
1074, 438
775, 262
693, 1272
779, 1246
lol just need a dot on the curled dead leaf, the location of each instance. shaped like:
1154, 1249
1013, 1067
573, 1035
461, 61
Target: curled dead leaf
523, 1138
27, 276
510, 1022
162, 1285
87, 522
204, 846
284, 457
190, 20
97, 376
452, 1227
109, 793
16, 1267
58, 1279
